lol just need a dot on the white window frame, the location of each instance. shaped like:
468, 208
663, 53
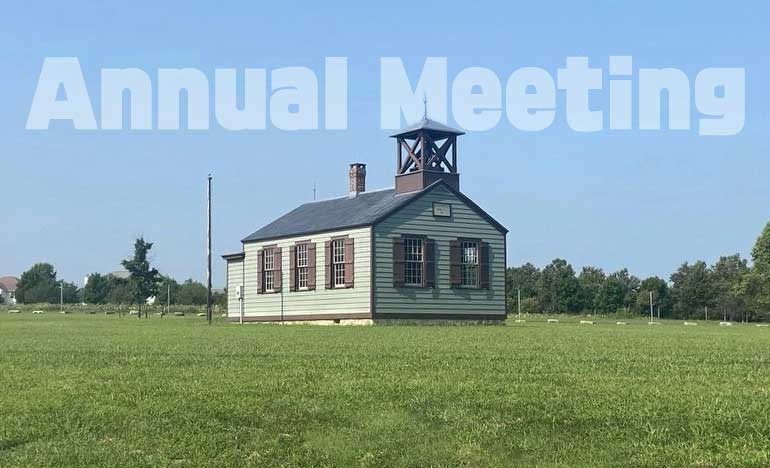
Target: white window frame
414, 258
469, 264
268, 269
302, 266
338, 263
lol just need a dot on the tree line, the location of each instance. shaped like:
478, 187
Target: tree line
40, 285
730, 289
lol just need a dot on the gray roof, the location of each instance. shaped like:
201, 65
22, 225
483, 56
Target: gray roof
338, 213
427, 124
366, 209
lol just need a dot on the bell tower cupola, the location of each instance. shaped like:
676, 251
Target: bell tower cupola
425, 153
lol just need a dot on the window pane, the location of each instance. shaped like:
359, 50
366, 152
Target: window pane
302, 280
413, 253
339, 274
338, 259
268, 264
302, 255
469, 266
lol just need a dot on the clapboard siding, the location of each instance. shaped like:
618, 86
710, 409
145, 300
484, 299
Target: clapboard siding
417, 218
355, 300
234, 279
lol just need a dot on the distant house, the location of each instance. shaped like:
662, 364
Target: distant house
420, 250
8, 289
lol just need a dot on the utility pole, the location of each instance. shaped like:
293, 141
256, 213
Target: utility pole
208, 257
168, 297
61, 296
518, 299
707, 313
651, 316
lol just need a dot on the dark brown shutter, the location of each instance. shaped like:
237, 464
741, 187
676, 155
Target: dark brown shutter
484, 265
429, 263
328, 264
277, 264
311, 266
398, 263
293, 268
455, 278
260, 282
350, 252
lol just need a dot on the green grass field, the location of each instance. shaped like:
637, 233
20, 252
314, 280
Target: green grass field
104, 391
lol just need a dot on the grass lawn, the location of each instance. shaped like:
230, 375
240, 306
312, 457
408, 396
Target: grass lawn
104, 391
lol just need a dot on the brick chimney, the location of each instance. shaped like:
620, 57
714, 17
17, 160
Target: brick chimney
357, 176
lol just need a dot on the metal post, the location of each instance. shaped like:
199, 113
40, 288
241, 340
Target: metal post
518, 297
651, 316
240, 306
208, 257
61, 297
168, 298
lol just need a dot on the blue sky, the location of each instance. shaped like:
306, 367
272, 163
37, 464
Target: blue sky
638, 199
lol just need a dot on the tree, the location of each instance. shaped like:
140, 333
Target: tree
144, 280
96, 289
692, 290
630, 285
119, 291
69, 293
610, 296
727, 280
192, 293
661, 296
523, 278
591, 280
167, 284
219, 299
757, 283
558, 289
38, 285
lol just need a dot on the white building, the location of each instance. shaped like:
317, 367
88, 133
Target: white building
8, 289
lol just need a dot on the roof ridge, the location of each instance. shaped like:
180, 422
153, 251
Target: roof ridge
348, 196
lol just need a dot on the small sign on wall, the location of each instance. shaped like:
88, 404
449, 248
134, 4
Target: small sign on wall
443, 210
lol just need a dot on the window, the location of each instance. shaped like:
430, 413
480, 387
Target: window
338, 262
469, 264
302, 266
413, 262
268, 266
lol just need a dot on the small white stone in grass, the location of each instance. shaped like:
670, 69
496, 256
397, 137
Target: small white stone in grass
202, 314
179, 314
37, 312
553, 321
586, 322
653, 323
725, 324
762, 325
14, 311
133, 312
519, 321
621, 323
690, 324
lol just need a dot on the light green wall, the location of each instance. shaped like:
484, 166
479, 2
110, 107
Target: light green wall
355, 300
417, 218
